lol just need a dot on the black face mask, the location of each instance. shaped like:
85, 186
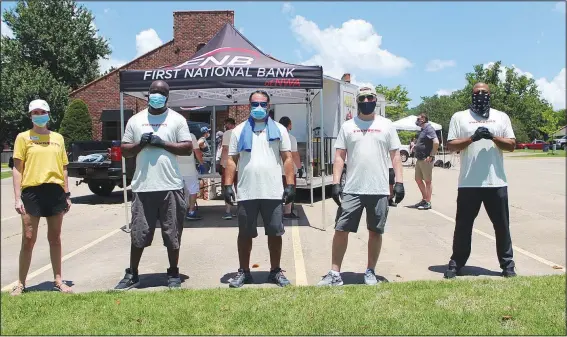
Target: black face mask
366, 108
481, 104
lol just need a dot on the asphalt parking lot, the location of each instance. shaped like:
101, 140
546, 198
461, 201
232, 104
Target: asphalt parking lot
416, 246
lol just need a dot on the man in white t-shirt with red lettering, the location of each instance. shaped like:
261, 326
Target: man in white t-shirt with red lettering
229, 124
481, 134
369, 141
288, 209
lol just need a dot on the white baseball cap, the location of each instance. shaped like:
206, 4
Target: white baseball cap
366, 91
38, 104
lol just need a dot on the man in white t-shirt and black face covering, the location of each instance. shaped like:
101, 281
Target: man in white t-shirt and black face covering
481, 134
367, 139
229, 124
260, 147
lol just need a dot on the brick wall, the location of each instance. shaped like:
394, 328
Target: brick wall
190, 28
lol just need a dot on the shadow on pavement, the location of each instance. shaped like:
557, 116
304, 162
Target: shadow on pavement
466, 271
260, 277
47, 286
156, 280
358, 278
117, 197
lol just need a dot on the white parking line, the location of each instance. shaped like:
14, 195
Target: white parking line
300, 274
516, 248
66, 257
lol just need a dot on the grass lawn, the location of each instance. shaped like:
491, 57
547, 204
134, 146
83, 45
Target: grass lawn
7, 174
520, 306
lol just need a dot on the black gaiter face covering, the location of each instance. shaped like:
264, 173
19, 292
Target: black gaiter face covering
366, 108
481, 104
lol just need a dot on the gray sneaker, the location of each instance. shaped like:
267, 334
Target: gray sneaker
370, 277
331, 280
241, 278
424, 206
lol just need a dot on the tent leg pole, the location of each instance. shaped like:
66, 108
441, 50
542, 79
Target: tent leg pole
443, 147
126, 228
323, 165
310, 147
213, 139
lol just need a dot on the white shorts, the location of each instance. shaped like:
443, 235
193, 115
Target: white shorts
191, 184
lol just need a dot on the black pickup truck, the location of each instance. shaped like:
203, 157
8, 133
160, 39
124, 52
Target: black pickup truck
105, 174
101, 175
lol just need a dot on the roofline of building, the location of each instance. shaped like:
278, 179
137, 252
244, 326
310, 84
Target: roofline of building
119, 68
211, 11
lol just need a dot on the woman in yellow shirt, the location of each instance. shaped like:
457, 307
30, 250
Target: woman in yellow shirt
41, 189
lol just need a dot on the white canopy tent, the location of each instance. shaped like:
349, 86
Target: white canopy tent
408, 124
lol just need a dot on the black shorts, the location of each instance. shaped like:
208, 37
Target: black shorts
272, 217
44, 200
392, 176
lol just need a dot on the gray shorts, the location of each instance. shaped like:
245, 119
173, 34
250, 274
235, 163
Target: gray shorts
166, 207
350, 212
272, 216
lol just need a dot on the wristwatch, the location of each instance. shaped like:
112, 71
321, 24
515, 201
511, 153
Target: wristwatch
432, 157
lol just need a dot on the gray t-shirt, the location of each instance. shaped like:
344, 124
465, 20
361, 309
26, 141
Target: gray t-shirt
424, 142
157, 169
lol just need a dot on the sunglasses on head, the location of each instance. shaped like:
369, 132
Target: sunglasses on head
363, 97
256, 104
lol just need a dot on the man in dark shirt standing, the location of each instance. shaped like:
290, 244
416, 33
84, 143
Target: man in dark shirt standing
425, 149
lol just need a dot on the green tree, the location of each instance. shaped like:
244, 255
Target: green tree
551, 122
22, 83
77, 123
58, 35
398, 95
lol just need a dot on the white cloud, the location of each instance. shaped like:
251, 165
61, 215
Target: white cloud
287, 8
6, 31
105, 64
436, 65
354, 46
241, 30
445, 92
361, 84
552, 91
147, 40
106, 10
560, 7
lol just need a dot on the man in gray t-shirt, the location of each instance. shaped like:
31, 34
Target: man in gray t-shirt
156, 136
425, 149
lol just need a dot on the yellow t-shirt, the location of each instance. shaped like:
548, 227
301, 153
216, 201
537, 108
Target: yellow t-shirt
43, 156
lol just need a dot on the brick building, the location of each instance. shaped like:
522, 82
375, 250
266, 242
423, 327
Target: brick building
191, 31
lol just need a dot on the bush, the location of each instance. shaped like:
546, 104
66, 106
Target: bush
77, 123
406, 136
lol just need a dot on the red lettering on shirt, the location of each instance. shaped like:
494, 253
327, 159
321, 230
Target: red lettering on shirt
483, 122
152, 125
368, 130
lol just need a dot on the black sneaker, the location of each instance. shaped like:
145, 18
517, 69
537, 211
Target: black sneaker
241, 278
452, 270
509, 272
129, 281
392, 203
418, 204
291, 216
173, 279
424, 206
277, 276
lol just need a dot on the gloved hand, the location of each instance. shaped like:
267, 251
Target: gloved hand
202, 168
229, 196
336, 194
486, 134
479, 133
156, 141
399, 192
289, 194
146, 137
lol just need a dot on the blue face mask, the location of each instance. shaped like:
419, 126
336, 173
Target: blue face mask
157, 101
40, 120
258, 112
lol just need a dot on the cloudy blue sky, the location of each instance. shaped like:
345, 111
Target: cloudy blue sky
425, 46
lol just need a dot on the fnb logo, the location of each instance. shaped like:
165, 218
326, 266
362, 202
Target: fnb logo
209, 59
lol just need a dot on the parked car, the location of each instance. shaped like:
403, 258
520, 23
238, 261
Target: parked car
535, 145
561, 142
